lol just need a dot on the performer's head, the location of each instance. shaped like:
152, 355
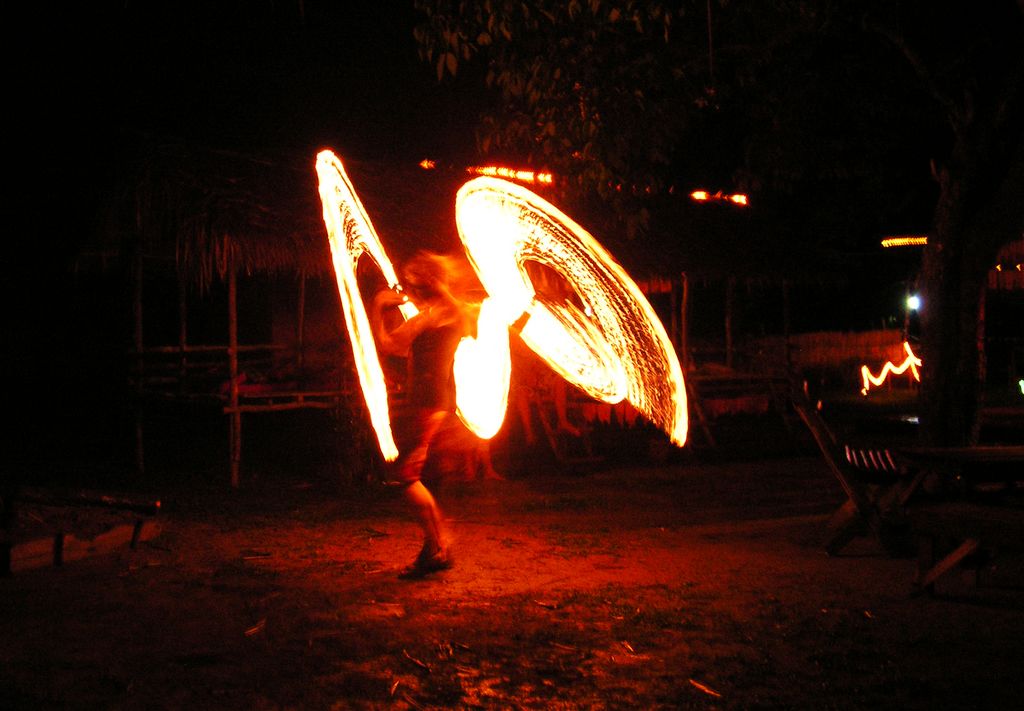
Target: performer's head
428, 276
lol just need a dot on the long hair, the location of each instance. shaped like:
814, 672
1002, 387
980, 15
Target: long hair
450, 272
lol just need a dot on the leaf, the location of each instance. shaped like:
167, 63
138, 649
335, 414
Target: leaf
451, 62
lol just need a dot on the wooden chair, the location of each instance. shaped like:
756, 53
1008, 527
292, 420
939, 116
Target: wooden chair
876, 483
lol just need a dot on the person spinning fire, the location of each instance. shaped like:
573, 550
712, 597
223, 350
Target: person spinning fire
435, 285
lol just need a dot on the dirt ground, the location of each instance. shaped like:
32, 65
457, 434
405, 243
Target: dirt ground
686, 584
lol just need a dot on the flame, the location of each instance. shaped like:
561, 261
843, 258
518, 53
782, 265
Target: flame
904, 241
739, 199
483, 369
351, 234
523, 176
621, 351
613, 346
911, 361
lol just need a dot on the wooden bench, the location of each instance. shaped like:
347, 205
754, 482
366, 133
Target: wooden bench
51, 546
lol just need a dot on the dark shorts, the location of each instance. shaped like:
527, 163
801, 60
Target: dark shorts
415, 432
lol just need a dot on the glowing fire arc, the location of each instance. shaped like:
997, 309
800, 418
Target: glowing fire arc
613, 348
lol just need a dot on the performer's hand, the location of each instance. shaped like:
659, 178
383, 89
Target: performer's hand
388, 297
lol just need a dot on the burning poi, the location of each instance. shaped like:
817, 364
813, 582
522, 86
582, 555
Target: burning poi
614, 348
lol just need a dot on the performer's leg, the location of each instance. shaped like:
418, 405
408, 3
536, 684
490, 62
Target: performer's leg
428, 513
435, 555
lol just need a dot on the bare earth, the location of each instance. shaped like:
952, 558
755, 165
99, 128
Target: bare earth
686, 585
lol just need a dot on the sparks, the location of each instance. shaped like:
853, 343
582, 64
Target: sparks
904, 241
911, 361
522, 176
351, 234
620, 352
612, 346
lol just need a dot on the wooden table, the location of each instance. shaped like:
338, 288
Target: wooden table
973, 500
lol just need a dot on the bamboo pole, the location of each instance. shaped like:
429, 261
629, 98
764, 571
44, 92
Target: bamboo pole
300, 327
235, 426
684, 327
787, 325
137, 342
182, 330
730, 307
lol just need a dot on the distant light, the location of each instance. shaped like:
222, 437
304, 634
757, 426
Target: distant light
427, 164
736, 199
521, 176
1021, 384
913, 302
904, 241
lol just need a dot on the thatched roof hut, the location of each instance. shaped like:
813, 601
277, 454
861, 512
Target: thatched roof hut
210, 210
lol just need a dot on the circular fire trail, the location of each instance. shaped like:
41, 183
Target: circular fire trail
612, 345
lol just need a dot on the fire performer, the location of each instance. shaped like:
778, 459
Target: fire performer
436, 286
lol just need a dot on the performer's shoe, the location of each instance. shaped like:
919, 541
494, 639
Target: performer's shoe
427, 563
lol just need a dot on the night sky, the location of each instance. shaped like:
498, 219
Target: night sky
282, 79
257, 76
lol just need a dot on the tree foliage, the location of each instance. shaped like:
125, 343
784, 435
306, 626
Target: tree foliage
872, 112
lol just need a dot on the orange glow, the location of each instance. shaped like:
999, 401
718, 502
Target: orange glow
739, 199
904, 241
522, 176
351, 234
483, 368
912, 362
427, 164
614, 347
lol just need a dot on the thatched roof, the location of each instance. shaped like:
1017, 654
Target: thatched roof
204, 209
207, 209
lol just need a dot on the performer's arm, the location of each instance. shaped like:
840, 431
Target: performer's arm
395, 341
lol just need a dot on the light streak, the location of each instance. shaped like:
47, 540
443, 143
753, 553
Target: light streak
739, 199
622, 351
351, 234
612, 346
904, 241
523, 176
911, 361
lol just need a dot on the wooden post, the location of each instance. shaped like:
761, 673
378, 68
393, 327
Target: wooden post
730, 307
787, 325
182, 330
235, 425
673, 310
137, 344
684, 324
300, 328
